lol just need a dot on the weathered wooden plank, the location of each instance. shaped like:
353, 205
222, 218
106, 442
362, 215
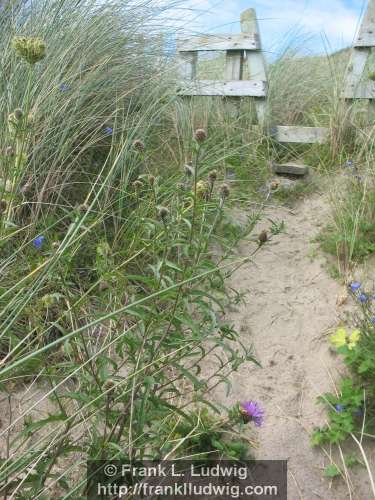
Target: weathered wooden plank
255, 60
362, 90
290, 168
300, 134
356, 71
244, 41
366, 35
188, 65
234, 88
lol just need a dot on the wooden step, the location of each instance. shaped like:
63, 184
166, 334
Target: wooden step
290, 168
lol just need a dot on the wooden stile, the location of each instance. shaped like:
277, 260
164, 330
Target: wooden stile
240, 49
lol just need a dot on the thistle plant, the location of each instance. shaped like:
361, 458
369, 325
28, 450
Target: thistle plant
31, 50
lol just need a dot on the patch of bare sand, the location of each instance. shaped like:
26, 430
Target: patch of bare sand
291, 306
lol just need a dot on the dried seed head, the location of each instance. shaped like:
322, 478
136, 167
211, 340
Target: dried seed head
103, 285
163, 213
212, 176
188, 169
26, 188
109, 386
151, 179
30, 49
83, 207
263, 237
274, 185
137, 185
9, 151
225, 191
202, 189
138, 145
200, 135
3, 206
18, 114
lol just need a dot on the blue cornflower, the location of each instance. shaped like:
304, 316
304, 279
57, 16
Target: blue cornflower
362, 297
349, 163
373, 320
38, 242
355, 286
108, 130
63, 87
339, 408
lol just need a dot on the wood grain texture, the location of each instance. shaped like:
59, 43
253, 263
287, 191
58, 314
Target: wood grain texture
234, 88
300, 134
366, 35
242, 41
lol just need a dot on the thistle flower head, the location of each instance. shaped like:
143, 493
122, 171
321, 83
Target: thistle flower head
225, 191
200, 135
31, 49
252, 412
202, 189
139, 146
109, 386
151, 179
103, 285
263, 237
18, 114
163, 213
137, 184
212, 176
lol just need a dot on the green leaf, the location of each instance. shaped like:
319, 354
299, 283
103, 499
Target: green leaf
332, 471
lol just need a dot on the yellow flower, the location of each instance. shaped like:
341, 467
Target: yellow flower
338, 339
354, 338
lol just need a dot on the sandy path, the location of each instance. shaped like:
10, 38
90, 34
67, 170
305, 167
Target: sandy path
289, 308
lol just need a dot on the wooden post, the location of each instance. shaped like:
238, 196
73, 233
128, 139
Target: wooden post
188, 65
233, 71
255, 61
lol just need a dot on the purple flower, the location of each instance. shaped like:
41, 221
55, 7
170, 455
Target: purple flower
373, 320
63, 87
251, 411
38, 242
362, 297
339, 408
355, 286
108, 130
